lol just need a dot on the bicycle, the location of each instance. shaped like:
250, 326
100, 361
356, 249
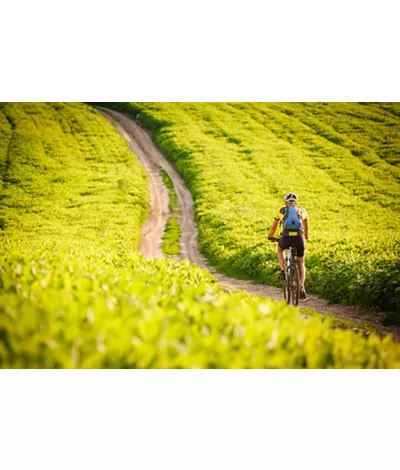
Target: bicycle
291, 284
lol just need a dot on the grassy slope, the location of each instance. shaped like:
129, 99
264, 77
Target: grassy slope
69, 175
341, 158
75, 293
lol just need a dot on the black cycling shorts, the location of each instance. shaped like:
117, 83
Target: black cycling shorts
298, 241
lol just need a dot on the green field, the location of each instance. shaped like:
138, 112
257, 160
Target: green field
75, 292
68, 178
342, 159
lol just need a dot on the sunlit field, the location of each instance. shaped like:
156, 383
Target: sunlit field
75, 292
342, 159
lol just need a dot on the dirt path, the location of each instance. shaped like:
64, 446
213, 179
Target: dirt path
154, 227
153, 160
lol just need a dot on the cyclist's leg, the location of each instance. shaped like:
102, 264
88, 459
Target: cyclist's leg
302, 269
281, 258
282, 246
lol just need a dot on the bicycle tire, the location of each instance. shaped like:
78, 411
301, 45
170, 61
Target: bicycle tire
286, 291
294, 287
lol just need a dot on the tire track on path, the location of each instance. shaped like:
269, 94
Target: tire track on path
153, 161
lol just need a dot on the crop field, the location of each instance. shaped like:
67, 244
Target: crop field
68, 178
343, 161
95, 312
75, 292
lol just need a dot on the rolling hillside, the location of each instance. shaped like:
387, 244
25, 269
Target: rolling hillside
75, 292
342, 159
67, 175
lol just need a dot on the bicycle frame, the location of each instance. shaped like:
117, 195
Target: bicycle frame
291, 285
290, 257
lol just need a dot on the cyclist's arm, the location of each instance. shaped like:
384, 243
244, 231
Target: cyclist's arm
273, 228
305, 226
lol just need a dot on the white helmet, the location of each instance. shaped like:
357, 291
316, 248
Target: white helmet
290, 198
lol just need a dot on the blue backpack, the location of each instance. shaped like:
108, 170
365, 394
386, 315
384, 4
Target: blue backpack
291, 220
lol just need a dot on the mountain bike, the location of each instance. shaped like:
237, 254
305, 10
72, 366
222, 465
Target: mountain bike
291, 284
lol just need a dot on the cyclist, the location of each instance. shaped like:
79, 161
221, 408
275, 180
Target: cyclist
291, 238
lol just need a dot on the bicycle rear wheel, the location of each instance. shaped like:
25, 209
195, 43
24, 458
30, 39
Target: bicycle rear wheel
286, 290
294, 286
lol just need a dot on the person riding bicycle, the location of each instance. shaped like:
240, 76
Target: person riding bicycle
295, 236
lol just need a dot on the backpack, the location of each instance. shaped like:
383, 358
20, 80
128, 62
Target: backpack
291, 220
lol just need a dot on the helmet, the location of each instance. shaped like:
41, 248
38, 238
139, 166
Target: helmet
290, 198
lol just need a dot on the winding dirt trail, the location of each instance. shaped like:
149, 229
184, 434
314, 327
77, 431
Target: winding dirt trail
153, 161
154, 227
